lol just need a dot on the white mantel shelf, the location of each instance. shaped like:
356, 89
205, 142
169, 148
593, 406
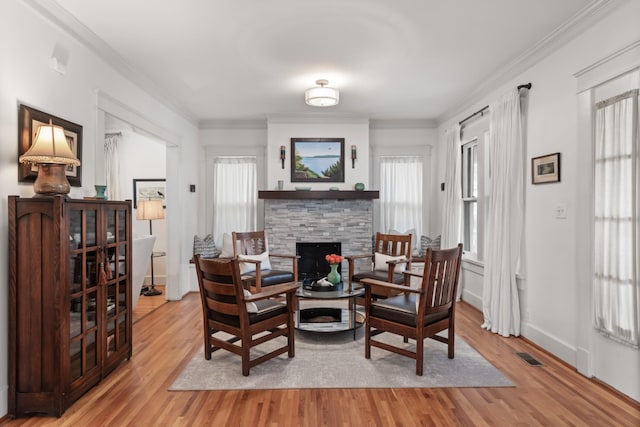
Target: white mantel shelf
324, 195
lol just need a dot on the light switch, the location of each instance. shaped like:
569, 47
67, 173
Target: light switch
561, 211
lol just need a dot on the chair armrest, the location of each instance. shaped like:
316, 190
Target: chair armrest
354, 257
272, 291
285, 256
391, 286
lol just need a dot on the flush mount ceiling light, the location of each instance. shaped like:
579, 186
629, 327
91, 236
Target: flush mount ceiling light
321, 96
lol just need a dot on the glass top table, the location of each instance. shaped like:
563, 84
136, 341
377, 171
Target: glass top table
317, 317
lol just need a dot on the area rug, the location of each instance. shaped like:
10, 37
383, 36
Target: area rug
335, 360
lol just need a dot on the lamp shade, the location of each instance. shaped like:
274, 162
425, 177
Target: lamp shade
150, 209
50, 146
322, 96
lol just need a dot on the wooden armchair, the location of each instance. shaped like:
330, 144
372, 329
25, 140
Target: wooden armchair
252, 250
418, 313
386, 263
228, 307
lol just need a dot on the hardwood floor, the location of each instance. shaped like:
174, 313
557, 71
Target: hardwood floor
168, 337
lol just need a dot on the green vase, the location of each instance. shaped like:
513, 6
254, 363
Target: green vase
334, 276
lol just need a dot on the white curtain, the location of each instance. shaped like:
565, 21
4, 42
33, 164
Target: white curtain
616, 218
112, 164
233, 195
452, 206
401, 194
500, 303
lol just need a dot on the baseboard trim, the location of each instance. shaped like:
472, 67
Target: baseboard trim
550, 343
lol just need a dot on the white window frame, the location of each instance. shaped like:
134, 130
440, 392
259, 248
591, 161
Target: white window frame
477, 136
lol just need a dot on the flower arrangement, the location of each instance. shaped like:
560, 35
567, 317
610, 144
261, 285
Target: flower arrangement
334, 259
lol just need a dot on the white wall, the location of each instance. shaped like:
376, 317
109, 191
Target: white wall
550, 287
26, 44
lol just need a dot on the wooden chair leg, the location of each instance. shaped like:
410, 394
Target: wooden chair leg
367, 341
419, 355
450, 342
291, 336
246, 356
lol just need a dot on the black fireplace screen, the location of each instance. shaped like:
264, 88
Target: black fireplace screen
311, 264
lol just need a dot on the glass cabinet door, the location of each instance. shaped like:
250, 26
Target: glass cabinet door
118, 291
83, 290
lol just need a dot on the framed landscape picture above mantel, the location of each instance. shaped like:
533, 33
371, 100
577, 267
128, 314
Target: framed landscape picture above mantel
317, 159
29, 120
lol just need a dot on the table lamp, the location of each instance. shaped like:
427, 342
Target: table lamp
51, 153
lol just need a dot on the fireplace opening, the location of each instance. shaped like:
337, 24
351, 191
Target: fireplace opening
311, 265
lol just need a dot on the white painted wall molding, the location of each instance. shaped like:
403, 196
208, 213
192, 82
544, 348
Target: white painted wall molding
611, 66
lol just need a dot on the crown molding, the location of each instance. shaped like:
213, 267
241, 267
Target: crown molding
232, 124
403, 124
567, 31
52, 11
332, 118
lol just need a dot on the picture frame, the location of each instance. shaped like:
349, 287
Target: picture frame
149, 189
29, 120
317, 159
545, 169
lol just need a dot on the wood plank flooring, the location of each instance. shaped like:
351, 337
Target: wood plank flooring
166, 338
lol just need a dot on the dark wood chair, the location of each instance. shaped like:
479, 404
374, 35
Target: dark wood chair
385, 246
227, 307
251, 247
418, 313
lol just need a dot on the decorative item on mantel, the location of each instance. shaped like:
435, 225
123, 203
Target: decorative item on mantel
334, 261
359, 186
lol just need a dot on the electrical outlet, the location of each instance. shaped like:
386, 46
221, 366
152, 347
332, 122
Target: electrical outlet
561, 211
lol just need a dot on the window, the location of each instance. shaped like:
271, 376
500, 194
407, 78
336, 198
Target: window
233, 195
616, 218
401, 194
475, 186
470, 196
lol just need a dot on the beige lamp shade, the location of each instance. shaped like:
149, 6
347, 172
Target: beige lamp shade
150, 209
50, 146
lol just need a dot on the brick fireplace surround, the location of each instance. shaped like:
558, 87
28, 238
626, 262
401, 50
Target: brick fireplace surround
303, 216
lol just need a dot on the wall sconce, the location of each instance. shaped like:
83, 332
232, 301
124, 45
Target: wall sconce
283, 154
354, 156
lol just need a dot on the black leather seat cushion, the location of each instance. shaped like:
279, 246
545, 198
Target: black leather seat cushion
402, 309
398, 278
267, 308
269, 277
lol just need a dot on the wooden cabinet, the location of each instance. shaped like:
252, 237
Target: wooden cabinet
69, 298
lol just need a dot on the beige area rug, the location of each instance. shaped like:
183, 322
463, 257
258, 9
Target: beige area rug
335, 360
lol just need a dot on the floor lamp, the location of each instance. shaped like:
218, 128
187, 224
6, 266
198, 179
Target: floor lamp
150, 210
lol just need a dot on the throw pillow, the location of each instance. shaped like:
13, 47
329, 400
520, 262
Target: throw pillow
227, 246
249, 267
206, 247
427, 242
251, 306
414, 239
381, 262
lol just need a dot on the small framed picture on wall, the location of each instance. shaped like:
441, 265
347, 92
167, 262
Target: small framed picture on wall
545, 169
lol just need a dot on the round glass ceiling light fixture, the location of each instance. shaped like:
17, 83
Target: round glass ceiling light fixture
322, 95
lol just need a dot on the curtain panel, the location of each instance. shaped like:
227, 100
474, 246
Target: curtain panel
401, 194
452, 206
505, 215
112, 164
616, 258
233, 195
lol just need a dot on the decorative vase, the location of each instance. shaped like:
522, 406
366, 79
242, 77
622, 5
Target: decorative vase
359, 186
100, 189
334, 276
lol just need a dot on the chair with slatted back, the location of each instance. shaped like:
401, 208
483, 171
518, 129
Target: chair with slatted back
251, 319
252, 249
418, 313
390, 258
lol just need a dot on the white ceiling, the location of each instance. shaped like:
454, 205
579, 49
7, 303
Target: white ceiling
251, 59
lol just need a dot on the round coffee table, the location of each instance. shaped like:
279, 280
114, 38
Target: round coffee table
329, 319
